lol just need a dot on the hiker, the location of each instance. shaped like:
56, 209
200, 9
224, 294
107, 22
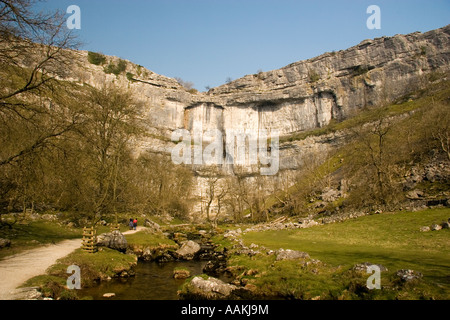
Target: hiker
135, 224
131, 224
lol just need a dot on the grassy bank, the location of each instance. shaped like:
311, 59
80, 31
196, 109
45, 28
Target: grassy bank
95, 267
33, 234
392, 240
148, 239
102, 265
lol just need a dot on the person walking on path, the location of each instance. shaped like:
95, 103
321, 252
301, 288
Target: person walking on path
131, 224
134, 224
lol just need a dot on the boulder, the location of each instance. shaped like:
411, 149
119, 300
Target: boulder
4, 243
330, 195
445, 225
432, 173
160, 253
343, 185
307, 223
208, 289
114, 240
27, 293
188, 250
181, 274
414, 194
362, 267
179, 237
291, 255
407, 275
233, 234
153, 227
425, 229
215, 267
435, 227
49, 217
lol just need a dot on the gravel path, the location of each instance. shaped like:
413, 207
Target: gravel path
16, 269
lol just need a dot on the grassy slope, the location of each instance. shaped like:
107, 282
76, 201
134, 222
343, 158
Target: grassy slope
143, 238
393, 240
100, 265
33, 234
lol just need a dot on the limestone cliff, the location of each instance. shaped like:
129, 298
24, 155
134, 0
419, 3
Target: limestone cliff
301, 96
308, 94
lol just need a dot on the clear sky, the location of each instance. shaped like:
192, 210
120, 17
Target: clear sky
208, 41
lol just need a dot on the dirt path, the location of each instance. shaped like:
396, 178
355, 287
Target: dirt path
17, 269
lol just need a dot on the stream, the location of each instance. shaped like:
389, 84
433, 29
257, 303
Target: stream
153, 281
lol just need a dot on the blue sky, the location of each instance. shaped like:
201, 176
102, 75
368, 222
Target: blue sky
207, 41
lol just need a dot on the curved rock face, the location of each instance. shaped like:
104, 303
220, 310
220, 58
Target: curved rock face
310, 93
301, 96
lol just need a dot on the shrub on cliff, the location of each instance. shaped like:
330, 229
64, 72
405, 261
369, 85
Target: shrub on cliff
116, 69
313, 76
96, 58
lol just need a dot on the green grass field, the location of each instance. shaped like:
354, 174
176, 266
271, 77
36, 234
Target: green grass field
148, 239
391, 239
34, 234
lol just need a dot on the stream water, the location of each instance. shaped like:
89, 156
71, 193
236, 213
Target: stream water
153, 281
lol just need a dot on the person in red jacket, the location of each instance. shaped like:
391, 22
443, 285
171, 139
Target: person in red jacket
134, 224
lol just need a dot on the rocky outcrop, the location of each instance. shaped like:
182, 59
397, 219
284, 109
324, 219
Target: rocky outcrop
301, 224
207, 289
152, 227
159, 253
188, 250
288, 254
308, 94
300, 96
435, 170
4, 243
114, 240
181, 274
362, 267
407, 275
436, 227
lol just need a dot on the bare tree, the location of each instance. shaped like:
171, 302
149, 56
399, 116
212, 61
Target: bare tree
441, 127
32, 55
112, 122
33, 40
